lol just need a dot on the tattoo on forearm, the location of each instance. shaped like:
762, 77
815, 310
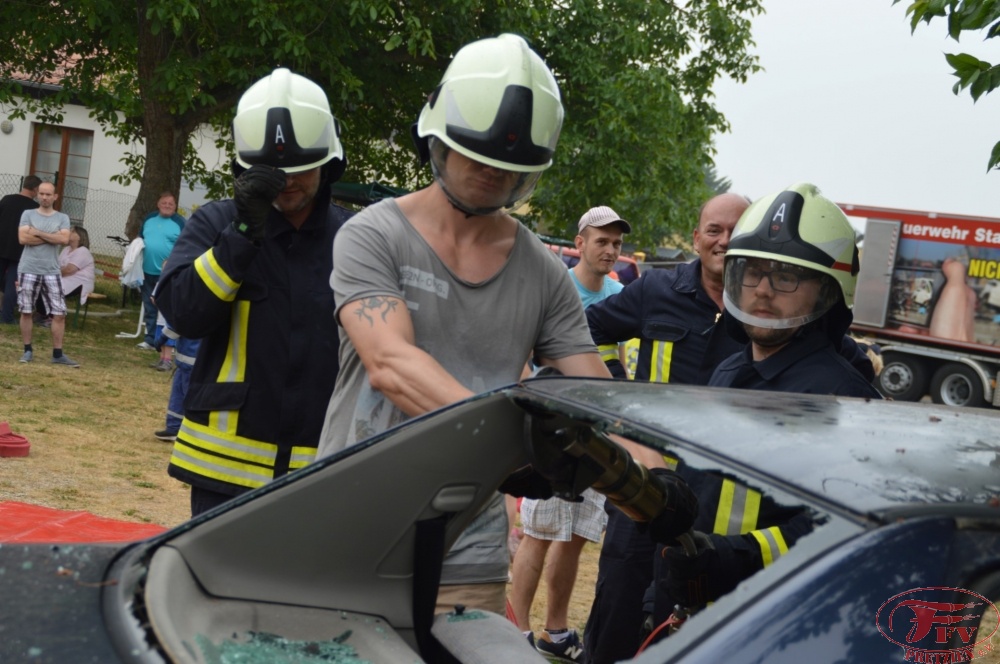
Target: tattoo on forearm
375, 305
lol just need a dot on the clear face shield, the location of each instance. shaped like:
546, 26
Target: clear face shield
478, 189
775, 295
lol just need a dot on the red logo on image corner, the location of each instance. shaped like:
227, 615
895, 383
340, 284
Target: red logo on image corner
938, 625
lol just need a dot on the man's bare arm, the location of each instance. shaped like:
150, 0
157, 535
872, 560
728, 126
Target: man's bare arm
27, 236
381, 330
588, 365
59, 237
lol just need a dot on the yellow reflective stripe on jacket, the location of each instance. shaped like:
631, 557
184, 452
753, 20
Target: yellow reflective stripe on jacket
609, 352
227, 443
772, 544
659, 370
301, 457
671, 462
738, 509
632, 356
234, 367
219, 468
215, 278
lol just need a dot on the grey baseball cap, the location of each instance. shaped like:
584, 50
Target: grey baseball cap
600, 216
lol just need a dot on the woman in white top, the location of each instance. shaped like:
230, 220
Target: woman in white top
76, 264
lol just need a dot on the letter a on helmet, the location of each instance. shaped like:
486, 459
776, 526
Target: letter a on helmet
800, 228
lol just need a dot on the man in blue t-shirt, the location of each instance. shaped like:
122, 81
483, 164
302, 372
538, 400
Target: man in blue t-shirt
599, 241
554, 528
160, 231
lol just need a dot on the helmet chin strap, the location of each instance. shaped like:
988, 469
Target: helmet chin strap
468, 215
458, 205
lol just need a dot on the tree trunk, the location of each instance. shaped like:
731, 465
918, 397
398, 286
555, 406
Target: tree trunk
166, 135
165, 143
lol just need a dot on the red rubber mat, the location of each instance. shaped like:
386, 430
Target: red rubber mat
20, 522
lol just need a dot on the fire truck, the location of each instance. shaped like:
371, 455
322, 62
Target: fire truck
929, 294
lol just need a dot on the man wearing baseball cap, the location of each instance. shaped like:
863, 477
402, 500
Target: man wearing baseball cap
555, 527
599, 241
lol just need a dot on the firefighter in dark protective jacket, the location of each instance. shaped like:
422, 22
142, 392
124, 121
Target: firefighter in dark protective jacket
250, 277
791, 271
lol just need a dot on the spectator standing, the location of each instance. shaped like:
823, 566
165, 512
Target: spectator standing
12, 206
42, 231
159, 233
674, 314
76, 264
555, 528
248, 277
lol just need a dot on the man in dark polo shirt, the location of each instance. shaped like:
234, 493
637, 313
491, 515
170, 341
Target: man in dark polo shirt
11, 208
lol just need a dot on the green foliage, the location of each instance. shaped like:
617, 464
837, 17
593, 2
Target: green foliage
977, 76
715, 182
636, 80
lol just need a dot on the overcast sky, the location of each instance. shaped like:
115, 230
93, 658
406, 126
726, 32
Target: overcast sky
851, 101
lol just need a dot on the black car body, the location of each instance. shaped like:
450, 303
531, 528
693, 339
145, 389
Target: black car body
904, 497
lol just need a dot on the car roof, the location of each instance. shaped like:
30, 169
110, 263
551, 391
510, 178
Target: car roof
863, 455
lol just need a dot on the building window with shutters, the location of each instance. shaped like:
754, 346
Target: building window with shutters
62, 155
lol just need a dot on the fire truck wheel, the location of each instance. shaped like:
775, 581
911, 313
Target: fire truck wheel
903, 377
957, 385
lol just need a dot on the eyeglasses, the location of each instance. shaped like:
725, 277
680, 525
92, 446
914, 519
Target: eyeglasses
783, 281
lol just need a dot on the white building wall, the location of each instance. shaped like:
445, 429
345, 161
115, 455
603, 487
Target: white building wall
108, 202
15, 153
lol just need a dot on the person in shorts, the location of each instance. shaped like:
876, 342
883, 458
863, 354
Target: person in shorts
43, 232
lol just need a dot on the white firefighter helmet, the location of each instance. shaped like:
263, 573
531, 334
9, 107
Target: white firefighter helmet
499, 105
284, 120
793, 235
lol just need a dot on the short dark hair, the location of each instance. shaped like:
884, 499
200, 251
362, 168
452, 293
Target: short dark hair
31, 182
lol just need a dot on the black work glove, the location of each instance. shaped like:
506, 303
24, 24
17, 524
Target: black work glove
546, 438
690, 578
256, 188
680, 507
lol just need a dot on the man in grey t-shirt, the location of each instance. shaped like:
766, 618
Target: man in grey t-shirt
42, 232
441, 294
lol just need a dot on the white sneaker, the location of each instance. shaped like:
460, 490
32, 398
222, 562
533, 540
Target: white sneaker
142, 345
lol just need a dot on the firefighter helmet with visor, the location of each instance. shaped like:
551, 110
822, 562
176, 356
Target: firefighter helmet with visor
499, 105
284, 120
787, 238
